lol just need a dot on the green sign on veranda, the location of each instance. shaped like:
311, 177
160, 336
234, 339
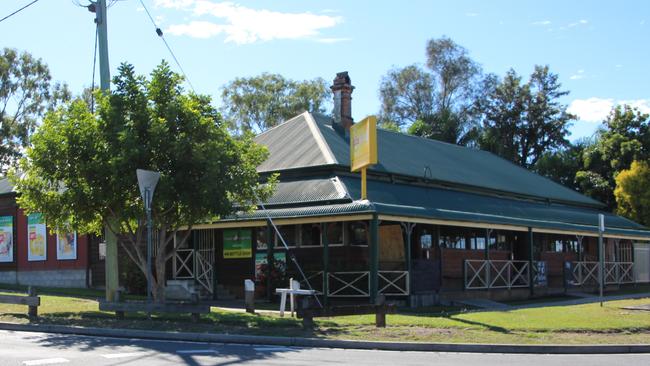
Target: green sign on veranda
237, 243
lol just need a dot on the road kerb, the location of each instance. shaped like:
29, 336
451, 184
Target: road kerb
330, 343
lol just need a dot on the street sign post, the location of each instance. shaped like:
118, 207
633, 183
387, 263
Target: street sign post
147, 181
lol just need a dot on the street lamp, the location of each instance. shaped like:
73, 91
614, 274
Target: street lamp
147, 181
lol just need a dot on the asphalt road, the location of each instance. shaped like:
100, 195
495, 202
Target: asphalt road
32, 349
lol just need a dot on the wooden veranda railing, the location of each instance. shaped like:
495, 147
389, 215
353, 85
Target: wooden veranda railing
488, 274
615, 273
357, 283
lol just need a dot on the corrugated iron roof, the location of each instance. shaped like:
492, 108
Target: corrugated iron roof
6, 186
304, 211
293, 144
414, 156
311, 190
447, 204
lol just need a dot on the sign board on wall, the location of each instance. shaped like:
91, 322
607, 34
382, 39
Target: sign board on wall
66, 246
363, 143
6, 239
237, 243
36, 237
279, 265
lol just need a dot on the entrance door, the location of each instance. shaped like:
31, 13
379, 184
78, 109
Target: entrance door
425, 253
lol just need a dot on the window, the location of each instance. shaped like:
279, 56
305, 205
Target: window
260, 238
335, 233
500, 240
288, 233
452, 242
310, 235
478, 243
358, 233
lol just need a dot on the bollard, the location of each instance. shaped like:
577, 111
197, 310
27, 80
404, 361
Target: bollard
305, 310
118, 298
32, 312
380, 309
249, 296
294, 285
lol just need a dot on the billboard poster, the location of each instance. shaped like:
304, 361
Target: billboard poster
237, 243
36, 237
6, 239
66, 246
279, 265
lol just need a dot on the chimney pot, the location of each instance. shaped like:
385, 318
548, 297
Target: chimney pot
342, 89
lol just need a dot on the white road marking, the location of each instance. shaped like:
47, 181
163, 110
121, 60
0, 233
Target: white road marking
45, 361
196, 351
124, 355
271, 349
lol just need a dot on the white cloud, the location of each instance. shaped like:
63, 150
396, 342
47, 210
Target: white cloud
541, 22
471, 14
578, 75
591, 109
643, 105
174, 4
597, 109
579, 22
244, 25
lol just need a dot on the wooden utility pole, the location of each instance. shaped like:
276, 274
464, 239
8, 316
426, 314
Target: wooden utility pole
101, 20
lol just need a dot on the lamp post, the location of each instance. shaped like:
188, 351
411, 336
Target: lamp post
147, 181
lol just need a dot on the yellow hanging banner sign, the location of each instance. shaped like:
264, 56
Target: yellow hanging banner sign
363, 143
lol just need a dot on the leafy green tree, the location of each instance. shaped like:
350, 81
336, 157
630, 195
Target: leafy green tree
26, 93
632, 193
563, 164
624, 138
261, 102
522, 121
435, 102
80, 171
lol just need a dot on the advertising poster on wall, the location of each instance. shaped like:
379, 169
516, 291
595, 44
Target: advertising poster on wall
237, 244
6, 239
279, 265
66, 246
36, 237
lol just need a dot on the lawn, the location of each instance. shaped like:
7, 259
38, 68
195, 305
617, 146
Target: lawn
558, 324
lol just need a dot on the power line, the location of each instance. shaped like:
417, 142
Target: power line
92, 87
159, 32
19, 10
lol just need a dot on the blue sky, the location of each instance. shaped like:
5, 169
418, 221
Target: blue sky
598, 48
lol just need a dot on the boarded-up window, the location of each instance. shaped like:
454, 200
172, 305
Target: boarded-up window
391, 243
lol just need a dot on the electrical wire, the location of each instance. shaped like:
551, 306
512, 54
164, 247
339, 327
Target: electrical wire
92, 85
19, 10
159, 32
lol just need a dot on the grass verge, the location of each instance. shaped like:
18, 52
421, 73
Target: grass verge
577, 324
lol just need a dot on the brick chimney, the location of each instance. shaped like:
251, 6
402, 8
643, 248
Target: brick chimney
342, 90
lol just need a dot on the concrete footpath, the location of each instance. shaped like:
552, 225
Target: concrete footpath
329, 343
